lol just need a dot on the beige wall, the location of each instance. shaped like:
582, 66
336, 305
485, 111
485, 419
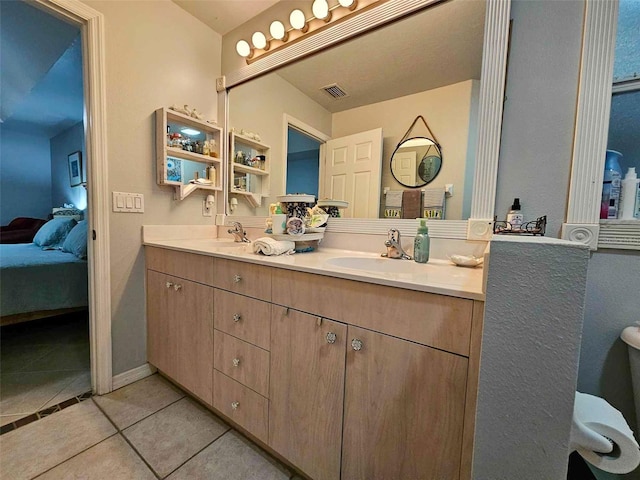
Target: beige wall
446, 110
259, 106
156, 55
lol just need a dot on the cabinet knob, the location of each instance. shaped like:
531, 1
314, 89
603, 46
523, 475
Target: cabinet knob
177, 286
236, 362
235, 405
356, 344
236, 317
237, 278
331, 337
169, 284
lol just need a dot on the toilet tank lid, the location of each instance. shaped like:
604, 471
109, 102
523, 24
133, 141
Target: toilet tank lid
631, 336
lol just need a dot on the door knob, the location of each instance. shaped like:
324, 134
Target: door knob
356, 344
236, 362
236, 317
331, 337
237, 278
235, 405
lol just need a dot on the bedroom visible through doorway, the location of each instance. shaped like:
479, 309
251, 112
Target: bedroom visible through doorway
44, 307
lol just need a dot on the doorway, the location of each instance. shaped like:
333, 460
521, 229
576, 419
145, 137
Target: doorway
303, 162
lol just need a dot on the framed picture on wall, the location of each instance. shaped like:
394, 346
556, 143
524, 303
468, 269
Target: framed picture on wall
75, 168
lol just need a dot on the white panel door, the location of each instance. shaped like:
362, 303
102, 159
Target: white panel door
404, 168
353, 166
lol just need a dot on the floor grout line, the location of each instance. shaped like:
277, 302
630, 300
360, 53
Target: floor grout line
229, 429
124, 437
73, 456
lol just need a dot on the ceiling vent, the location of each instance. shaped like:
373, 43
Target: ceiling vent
335, 91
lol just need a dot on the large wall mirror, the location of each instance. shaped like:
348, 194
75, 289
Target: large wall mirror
356, 99
608, 118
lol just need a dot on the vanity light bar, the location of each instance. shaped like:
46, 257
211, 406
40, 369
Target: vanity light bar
323, 16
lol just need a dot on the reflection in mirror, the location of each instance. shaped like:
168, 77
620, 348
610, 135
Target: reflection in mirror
416, 162
411, 74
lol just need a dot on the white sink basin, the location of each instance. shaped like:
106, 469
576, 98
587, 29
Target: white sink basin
382, 265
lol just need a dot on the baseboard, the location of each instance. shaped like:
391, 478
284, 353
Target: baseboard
133, 375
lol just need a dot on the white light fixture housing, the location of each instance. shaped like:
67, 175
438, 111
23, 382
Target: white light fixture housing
320, 9
278, 31
244, 49
190, 131
350, 4
260, 41
298, 20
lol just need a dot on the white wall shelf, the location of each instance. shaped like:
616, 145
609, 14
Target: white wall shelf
179, 176
251, 183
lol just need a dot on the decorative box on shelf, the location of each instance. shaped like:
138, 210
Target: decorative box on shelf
188, 153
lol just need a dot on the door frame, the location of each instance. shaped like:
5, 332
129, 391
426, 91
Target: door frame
91, 23
288, 120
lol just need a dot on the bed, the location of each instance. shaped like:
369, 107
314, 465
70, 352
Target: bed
36, 283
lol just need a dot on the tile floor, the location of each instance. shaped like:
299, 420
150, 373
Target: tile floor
147, 430
43, 363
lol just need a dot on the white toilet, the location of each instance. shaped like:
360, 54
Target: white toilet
631, 336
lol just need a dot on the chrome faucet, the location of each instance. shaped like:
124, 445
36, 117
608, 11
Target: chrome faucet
239, 235
394, 248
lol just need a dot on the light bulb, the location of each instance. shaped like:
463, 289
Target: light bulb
277, 31
259, 40
320, 9
243, 48
297, 20
350, 4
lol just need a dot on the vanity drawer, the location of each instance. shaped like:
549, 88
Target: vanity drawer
439, 321
244, 278
241, 361
198, 268
242, 405
243, 317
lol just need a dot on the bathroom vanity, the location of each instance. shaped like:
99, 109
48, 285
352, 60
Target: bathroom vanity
344, 373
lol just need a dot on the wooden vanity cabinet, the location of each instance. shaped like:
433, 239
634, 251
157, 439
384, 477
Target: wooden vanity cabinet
353, 381
307, 390
180, 326
403, 410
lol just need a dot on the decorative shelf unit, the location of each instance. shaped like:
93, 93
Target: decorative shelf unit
176, 166
250, 182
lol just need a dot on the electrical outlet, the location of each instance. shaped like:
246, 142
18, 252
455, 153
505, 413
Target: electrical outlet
207, 208
221, 83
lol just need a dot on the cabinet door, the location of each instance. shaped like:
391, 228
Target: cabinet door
404, 406
193, 307
161, 327
306, 391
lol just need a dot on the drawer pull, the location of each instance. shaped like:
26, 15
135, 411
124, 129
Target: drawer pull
235, 405
236, 362
356, 344
177, 286
169, 284
331, 337
237, 278
236, 317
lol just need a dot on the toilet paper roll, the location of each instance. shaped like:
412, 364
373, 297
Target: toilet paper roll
593, 420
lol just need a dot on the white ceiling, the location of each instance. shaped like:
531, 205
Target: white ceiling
33, 62
224, 15
436, 47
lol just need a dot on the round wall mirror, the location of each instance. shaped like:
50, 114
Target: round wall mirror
416, 161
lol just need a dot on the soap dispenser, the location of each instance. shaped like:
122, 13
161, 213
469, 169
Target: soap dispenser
421, 243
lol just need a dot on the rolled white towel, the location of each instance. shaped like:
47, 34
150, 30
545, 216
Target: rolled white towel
269, 246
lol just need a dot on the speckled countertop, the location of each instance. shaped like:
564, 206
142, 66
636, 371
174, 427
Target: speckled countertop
437, 276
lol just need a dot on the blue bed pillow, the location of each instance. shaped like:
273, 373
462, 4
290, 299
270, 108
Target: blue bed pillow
76, 241
52, 234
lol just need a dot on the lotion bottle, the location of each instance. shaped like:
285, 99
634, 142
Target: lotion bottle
278, 222
514, 217
628, 195
421, 243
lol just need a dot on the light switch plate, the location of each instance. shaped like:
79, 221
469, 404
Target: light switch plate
128, 202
